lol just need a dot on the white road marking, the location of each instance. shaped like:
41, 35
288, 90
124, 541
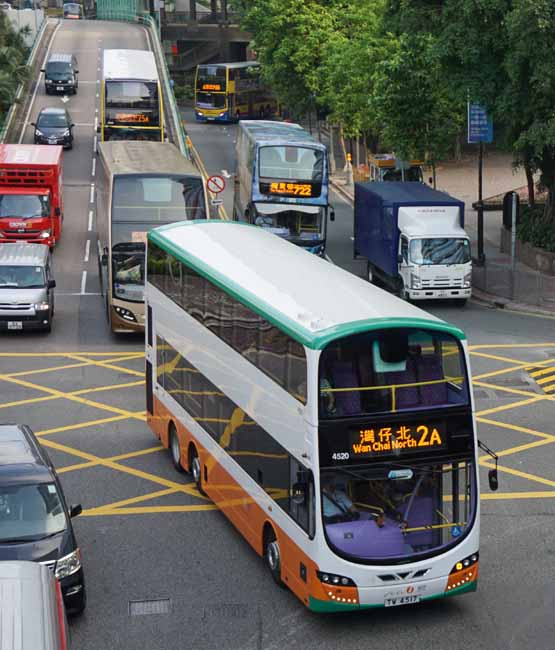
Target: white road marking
90, 220
328, 258
93, 170
97, 96
83, 282
64, 99
72, 293
225, 173
95, 123
87, 250
92, 192
95, 141
37, 86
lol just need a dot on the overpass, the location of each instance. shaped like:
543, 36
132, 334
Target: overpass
194, 34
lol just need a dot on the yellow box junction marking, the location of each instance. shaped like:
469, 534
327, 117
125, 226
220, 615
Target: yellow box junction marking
544, 377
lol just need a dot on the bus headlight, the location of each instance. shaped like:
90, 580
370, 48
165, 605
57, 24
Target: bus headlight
68, 565
415, 281
334, 579
126, 314
467, 280
463, 573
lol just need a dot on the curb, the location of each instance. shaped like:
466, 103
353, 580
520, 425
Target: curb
342, 192
498, 302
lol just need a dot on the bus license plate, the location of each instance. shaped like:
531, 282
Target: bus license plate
15, 325
401, 600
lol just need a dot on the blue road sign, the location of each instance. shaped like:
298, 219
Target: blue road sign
480, 125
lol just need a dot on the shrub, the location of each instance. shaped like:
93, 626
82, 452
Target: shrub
535, 229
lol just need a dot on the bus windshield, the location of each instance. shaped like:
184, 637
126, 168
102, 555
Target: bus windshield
211, 77
398, 511
291, 162
131, 94
391, 371
211, 100
128, 271
439, 250
24, 206
291, 221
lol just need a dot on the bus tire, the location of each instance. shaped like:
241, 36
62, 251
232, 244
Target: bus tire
196, 469
175, 448
272, 555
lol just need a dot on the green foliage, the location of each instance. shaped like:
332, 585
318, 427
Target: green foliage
184, 93
13, 70
534, 228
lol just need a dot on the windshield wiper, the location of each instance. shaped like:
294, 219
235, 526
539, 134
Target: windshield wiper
18, 540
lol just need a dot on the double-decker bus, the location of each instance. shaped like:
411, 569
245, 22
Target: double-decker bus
282, 182
131, 102
140, 185
331, 422
229, 92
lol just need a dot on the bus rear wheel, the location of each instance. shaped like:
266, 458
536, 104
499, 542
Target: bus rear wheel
196, 469
272, 556
175, 448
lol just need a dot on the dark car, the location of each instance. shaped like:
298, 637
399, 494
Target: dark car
54, 126
35, 522
60, 74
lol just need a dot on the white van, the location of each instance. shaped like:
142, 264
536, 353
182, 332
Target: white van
32, 614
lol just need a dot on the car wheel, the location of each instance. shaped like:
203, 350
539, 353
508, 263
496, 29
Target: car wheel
175, 449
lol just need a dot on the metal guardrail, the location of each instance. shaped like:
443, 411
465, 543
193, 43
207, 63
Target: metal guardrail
30, 60
202, 17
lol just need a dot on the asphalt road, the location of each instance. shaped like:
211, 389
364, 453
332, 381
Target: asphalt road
151, 543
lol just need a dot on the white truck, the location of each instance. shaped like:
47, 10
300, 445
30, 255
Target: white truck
413, 239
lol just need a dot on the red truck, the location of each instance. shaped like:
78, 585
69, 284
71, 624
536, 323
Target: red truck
31, 203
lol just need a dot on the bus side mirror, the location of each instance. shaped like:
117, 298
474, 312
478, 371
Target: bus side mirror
399, 259
98, 129
298, 493
57, 212
104, 258
51, 284
42, 70
75, 510
493, 480
332, 215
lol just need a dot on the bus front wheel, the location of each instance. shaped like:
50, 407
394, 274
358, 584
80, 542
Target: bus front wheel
272, 555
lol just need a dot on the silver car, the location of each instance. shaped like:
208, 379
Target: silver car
26, 287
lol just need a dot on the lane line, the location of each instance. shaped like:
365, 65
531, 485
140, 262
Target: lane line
515, 427
504, 371
96, 122
92, 193
106, 364
83, 283
507, 407
95, 143
93, 169
81, 425
480, 346
87, 250
26, 121
137, 354
147, 510
131, 454
515, 472
89, 228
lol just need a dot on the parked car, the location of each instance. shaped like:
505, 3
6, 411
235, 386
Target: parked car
60, 74
73, 11
26, 287
35, 522
32, 605
54, 126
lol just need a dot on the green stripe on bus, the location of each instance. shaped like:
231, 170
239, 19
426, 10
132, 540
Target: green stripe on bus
314, 340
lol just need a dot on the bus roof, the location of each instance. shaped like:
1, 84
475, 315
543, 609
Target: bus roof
266, 131
134, 157
129, 64
312, 300
230, 66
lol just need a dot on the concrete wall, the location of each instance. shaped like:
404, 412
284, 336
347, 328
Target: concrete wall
31, 18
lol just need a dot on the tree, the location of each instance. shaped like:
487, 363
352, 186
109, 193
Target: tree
13, 70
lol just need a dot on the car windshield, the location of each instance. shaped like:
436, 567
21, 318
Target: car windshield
439, 250
410, 174
21, 277
128, 268
291, 224
30, 512
58, 68
24, 206
72, 8
389, 512
52, 120
391, 371
294, 163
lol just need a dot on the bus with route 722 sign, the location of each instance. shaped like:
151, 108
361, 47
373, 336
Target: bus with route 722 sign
282, 182
331, 422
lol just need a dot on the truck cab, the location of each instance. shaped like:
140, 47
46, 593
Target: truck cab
386, 167
31, 208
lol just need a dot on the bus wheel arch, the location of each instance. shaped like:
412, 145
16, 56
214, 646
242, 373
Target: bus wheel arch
174, 446
272, 553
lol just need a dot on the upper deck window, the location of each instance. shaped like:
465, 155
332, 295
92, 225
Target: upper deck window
295, 163
391, 371
131, 94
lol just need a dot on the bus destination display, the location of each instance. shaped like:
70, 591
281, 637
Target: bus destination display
211, 87
288, 189
398, 440
136, 118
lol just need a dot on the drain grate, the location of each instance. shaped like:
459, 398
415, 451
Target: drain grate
149, 607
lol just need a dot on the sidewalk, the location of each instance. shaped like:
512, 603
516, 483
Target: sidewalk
494, 283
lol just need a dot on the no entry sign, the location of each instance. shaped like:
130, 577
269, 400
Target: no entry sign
215, 184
